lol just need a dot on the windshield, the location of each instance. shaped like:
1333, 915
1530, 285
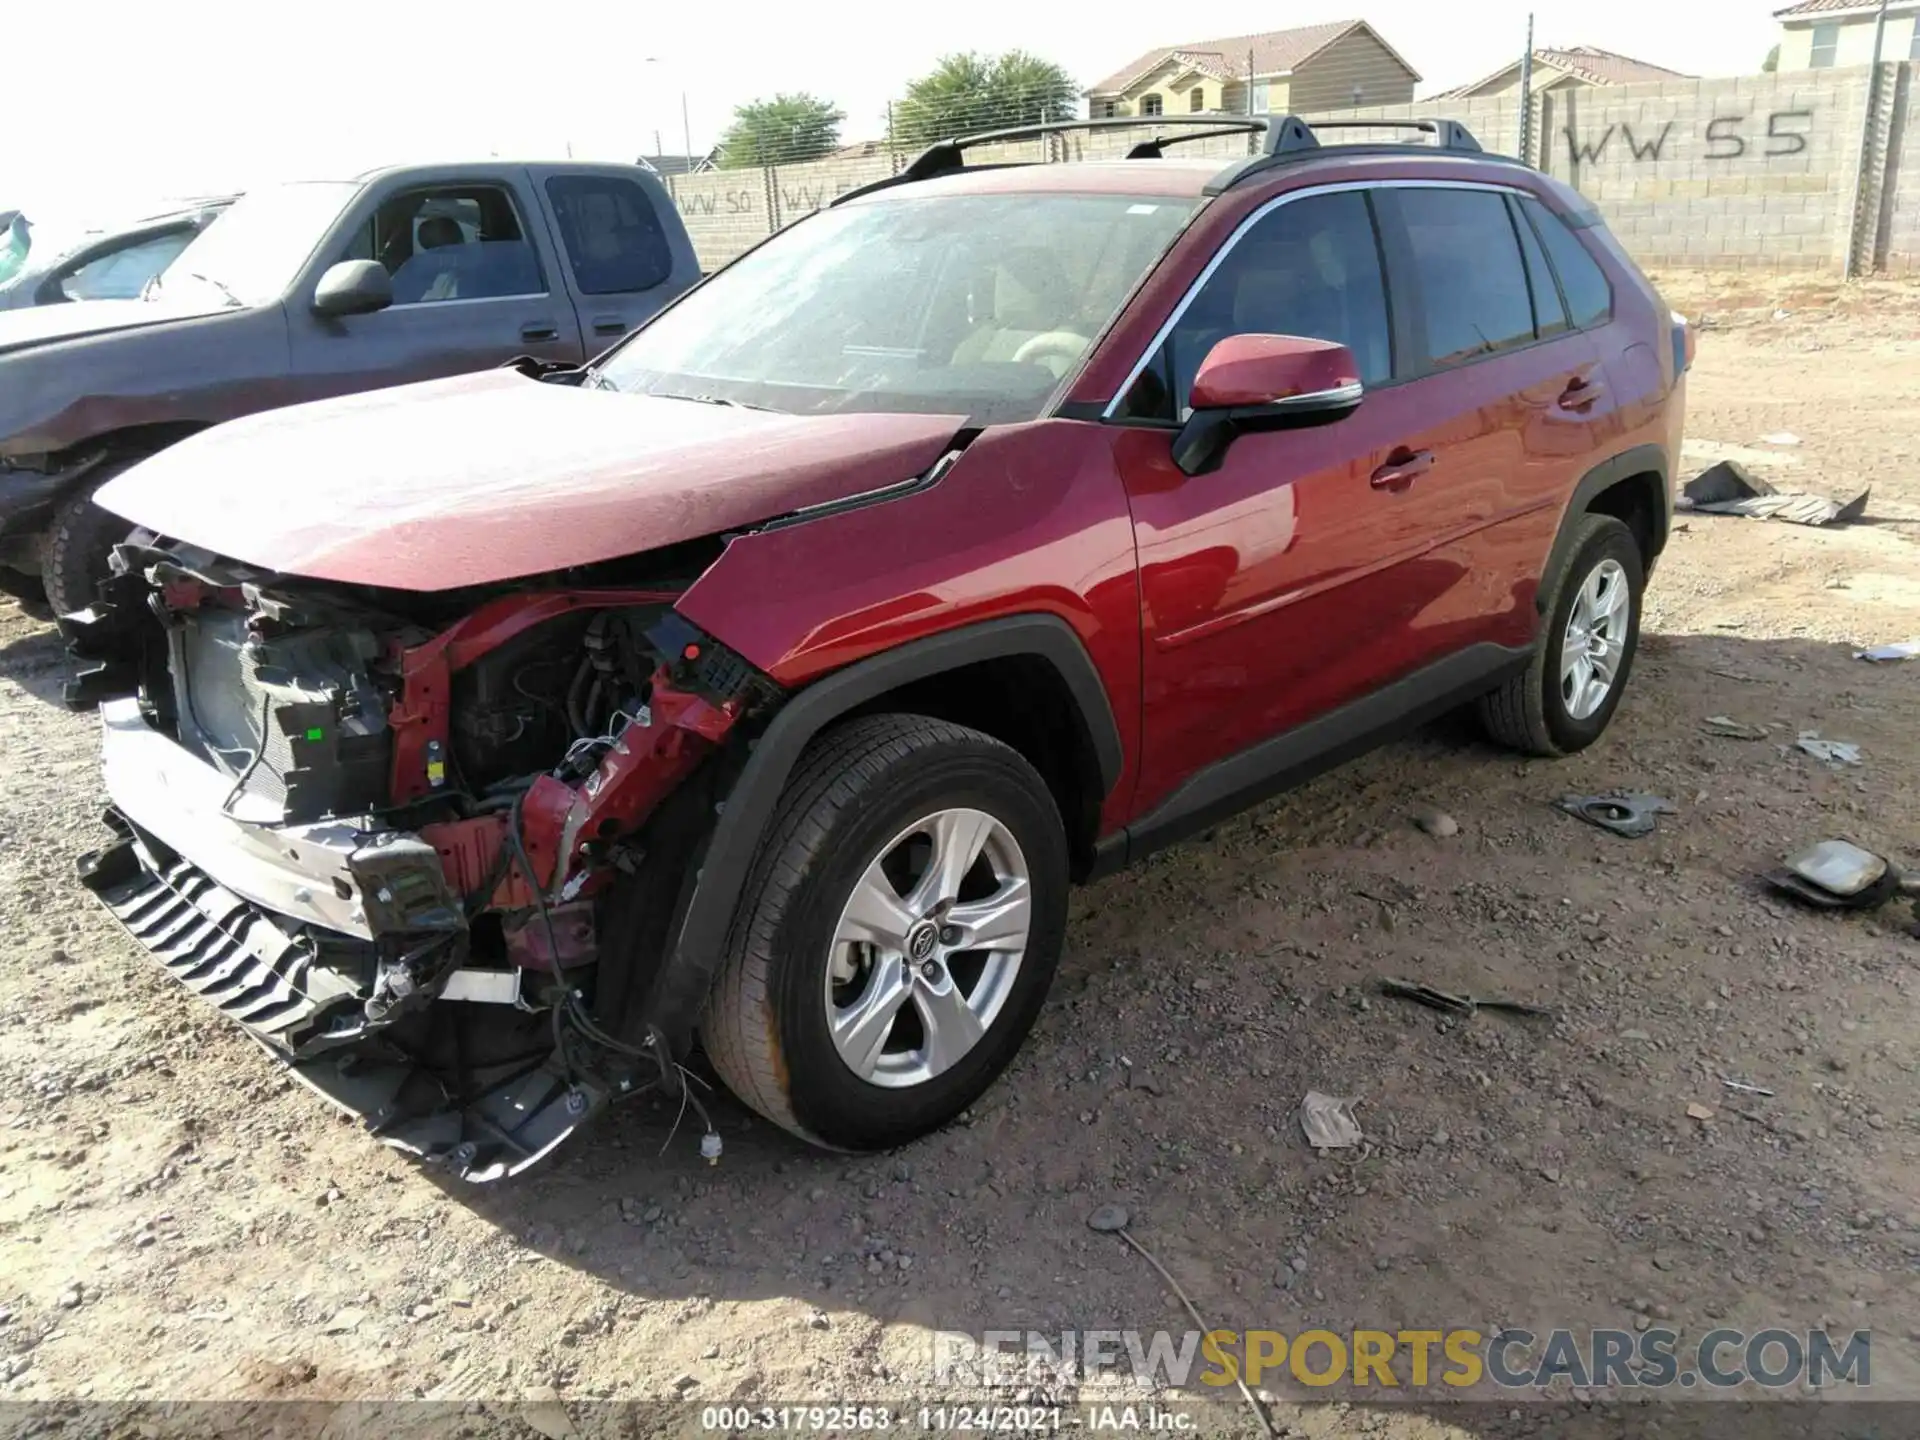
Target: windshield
964, 304
250, 255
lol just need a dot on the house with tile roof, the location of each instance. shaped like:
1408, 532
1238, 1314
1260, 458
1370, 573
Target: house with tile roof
1576, 67
1820, 34
1308, 70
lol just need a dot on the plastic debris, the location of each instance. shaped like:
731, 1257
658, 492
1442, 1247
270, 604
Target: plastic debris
1109, 1218
1436, 999
1838, 875
1834, 752
1780, 437
1885, 654
1743, 1088
1697, 1111
1328, 1121
1623, 814
1728, 728
1730, 488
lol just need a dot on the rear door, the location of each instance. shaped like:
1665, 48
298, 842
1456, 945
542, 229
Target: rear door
625, 252
1503, 408
474, 284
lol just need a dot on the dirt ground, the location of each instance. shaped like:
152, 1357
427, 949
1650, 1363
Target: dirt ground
181, 1221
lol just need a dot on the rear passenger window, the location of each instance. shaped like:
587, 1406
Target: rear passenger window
1549, 315
1311, 268
1589, 297
1473, 284
613, 237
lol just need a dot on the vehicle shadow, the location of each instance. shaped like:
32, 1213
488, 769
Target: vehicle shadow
33, 656
1203, 994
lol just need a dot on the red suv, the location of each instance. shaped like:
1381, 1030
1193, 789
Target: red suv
765, 683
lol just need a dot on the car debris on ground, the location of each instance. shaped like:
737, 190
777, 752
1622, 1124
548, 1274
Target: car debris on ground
1729, 728
1730, 488
1437, 999
1328, 1121
1833, 752
1886, 654
1621, 813
1839, 875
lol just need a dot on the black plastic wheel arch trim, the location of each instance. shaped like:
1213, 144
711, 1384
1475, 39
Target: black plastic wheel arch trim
1641, 460
678, 992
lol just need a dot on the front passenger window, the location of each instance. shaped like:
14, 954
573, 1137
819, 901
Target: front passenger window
457, 243
1310, 267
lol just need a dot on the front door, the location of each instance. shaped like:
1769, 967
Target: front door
472, 288
1267, 586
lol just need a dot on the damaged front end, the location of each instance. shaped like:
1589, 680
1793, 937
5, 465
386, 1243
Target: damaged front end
428, 858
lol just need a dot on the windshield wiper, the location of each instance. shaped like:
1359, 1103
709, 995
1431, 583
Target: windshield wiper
711, 400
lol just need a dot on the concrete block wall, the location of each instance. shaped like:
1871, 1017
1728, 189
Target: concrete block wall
1760, 170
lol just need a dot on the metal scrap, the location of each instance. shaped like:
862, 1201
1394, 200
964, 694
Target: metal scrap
1436, 999
1730, 488
1833, 752
1328, 1121
1623, 814
1885, 654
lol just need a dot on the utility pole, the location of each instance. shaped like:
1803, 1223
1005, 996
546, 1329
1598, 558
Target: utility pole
1249, 80
686, 131
1867, 137
1526, 95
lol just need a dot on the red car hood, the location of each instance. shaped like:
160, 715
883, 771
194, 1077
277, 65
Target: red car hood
494, 476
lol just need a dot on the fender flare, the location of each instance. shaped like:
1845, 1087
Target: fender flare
699, 935
1641, 460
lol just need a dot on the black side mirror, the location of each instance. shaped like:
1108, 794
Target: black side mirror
353, 287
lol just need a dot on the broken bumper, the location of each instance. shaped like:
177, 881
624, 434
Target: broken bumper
280, 928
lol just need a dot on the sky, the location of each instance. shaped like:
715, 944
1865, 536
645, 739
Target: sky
182, 97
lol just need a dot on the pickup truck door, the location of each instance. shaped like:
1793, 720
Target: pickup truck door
625, 251
476, 282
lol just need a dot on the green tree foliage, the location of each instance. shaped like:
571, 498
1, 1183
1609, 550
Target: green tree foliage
1772, 62
968, 93
780, 131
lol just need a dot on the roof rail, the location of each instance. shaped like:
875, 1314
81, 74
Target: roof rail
1283, 137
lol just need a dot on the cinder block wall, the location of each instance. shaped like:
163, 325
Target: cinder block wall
1761, 170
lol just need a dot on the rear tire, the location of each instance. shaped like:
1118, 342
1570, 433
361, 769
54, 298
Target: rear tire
79, 542
1557, 705
850, 1008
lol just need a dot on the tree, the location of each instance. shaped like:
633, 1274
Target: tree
970, 92
780, 131
1772, 62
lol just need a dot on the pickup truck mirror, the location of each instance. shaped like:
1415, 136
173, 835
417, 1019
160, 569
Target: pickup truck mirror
353, 287
1264, 382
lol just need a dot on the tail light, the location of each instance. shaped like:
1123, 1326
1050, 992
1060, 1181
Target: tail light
1683, 343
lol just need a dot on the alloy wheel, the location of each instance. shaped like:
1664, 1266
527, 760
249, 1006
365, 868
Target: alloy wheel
927, 948
1595, 640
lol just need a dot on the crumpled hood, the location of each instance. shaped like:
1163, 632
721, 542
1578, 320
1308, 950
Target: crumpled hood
493, 476
43, 324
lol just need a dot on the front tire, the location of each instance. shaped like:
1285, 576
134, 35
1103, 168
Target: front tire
897, 936
79, 542
1584, 652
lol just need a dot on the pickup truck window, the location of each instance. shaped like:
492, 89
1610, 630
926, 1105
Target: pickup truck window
251, 254
971, 305
452, 243
613, 237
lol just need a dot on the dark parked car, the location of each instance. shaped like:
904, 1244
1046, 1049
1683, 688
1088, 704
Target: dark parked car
108, 263
770, 679
309, 290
